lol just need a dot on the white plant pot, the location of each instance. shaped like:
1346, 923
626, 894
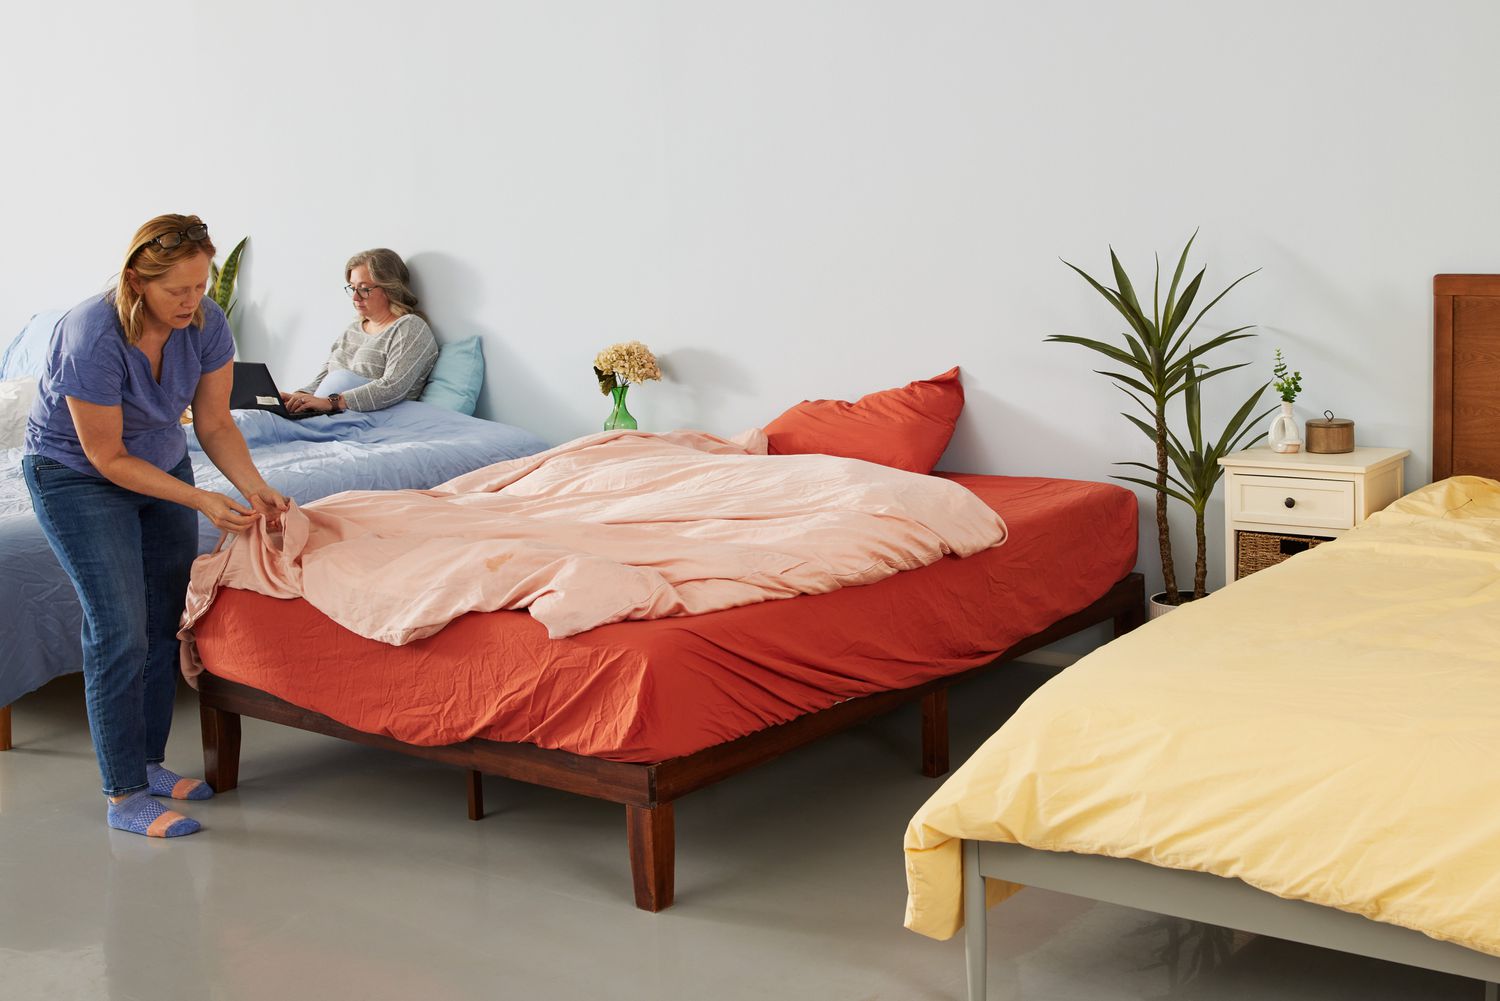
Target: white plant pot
1284, 435
1157, 606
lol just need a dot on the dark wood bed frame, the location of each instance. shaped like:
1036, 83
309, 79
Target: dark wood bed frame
648, 791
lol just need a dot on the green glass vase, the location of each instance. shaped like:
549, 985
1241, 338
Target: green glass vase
619, 417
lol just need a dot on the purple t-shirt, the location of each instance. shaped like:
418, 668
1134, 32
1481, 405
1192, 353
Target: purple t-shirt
89, 359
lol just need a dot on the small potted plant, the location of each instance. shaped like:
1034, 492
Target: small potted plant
1283, 433
617, 367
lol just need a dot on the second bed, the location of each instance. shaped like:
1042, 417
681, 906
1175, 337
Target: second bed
641, 713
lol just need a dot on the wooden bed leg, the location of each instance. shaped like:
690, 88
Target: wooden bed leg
221, 748
651, 834
4, 728
476, 795
1134, 613
935, 733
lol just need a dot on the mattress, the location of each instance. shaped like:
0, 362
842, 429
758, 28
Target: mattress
655, 690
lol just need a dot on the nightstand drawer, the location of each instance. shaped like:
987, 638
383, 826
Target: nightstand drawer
1299, 501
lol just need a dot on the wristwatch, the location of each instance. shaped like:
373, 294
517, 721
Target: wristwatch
337, 401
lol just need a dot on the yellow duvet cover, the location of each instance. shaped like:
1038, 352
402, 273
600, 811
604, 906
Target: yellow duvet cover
1325, 730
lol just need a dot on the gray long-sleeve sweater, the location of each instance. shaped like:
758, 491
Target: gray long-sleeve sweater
397, 360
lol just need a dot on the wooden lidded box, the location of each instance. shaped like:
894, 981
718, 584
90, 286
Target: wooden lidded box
1330, 434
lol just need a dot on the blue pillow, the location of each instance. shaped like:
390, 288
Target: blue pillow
340, 380
27, 354
456, 378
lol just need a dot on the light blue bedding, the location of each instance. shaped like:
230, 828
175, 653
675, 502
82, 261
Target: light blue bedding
410, 445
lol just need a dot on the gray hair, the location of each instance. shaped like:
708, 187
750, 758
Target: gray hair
387, 270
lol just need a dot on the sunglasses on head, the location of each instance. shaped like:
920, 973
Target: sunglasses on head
197, 233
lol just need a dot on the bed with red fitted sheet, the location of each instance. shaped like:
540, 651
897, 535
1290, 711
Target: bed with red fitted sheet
643, 712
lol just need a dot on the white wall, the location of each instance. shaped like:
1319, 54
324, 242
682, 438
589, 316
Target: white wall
785, 199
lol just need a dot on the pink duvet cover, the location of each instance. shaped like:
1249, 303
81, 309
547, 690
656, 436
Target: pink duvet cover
614, 526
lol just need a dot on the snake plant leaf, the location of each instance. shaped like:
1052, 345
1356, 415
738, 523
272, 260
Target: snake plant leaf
225, 278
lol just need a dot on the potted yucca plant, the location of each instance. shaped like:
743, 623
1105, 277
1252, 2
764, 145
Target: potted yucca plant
1153, 364
1195, 464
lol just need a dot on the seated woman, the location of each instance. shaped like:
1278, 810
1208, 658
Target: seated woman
387, 352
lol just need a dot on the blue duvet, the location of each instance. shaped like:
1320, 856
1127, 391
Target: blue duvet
410, 445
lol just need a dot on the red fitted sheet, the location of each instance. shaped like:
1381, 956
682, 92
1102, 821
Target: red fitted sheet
648, 691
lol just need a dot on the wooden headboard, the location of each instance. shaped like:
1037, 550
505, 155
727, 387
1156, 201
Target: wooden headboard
1466, 376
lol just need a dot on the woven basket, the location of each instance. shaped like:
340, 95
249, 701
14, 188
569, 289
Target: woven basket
1258, 550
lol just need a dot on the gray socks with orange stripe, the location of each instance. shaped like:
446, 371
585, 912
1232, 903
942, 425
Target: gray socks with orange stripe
138, 813
164, 782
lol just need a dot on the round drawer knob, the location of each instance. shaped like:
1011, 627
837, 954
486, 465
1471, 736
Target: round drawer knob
1290, 502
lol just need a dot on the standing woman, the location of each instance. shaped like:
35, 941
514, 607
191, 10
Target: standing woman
106, 463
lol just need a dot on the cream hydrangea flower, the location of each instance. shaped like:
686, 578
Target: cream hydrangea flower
625, 363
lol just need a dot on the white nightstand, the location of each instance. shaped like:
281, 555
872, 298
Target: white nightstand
1282, 504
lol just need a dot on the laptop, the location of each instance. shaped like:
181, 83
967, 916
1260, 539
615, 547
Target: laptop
254, 389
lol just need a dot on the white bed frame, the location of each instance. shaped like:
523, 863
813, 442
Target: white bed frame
1465, 439
1199, 896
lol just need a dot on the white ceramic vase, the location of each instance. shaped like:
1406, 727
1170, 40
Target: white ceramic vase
1284, 436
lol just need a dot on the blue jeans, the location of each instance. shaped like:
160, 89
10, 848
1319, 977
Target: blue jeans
129, 557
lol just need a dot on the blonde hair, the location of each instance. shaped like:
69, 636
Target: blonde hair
149, 262
388, 271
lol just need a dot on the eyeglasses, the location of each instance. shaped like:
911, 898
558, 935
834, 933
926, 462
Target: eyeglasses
197, 233
360, 291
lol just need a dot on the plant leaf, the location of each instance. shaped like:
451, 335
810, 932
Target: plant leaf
1148, 430
1122, 281
224, 281
1169, 491
1183, 305
1133, 383
1209, 374
1135, 319
1156, 294
1215, 301
1170, 311
1218, 340
1121, 356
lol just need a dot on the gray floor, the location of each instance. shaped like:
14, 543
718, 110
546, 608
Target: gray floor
338, 871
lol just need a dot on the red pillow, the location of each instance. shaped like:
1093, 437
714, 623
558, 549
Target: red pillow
907, 428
